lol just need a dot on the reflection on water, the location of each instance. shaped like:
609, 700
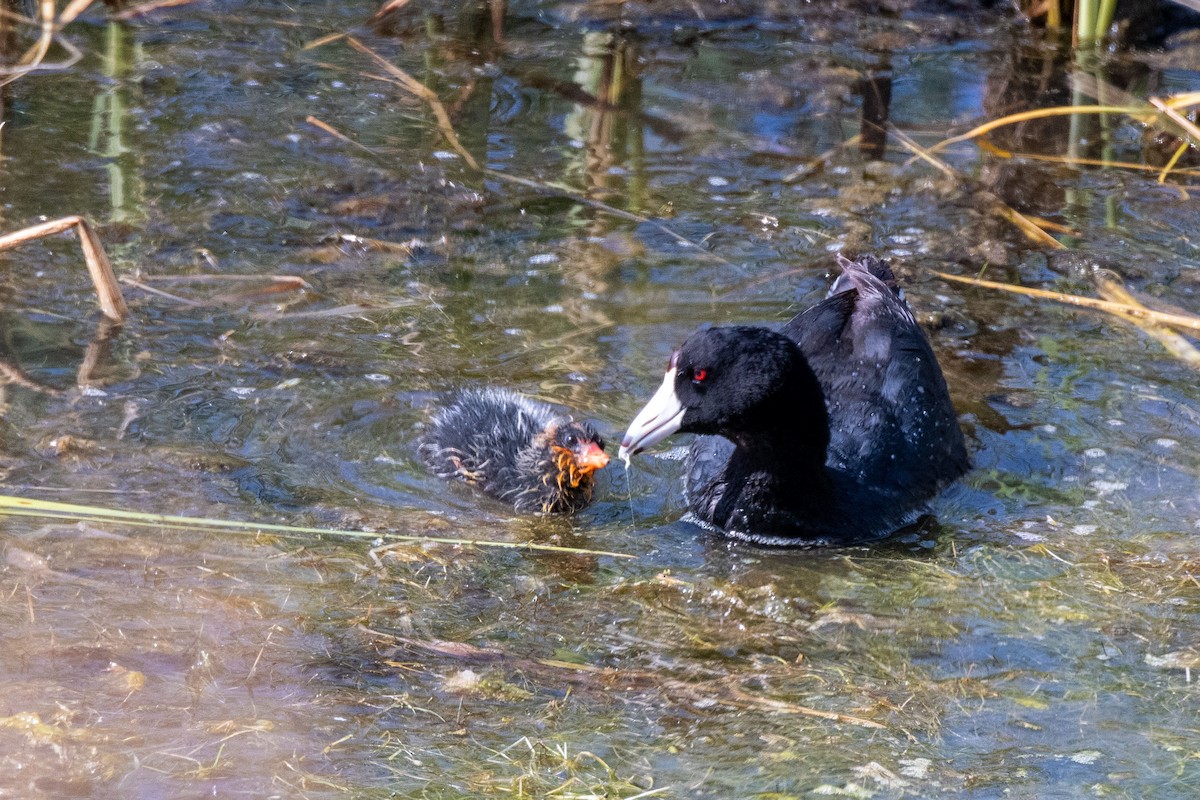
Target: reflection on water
1036, 641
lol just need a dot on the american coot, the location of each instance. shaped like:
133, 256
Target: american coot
837, 428
516, 449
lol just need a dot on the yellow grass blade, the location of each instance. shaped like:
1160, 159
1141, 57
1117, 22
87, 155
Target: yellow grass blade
1188, 126
1041, 113
999, 152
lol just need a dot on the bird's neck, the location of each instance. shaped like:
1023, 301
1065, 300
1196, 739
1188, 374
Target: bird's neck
791, 438
782, 475
793, 467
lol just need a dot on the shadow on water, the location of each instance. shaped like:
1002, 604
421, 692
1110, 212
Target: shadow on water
1036, 641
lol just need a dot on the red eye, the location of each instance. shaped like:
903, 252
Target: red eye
699, 375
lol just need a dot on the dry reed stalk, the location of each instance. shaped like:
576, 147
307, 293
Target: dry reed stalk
1191, 134
422, 92
1041, 113
1108, 94
335, 133
108, 292
348, 310
389, 7
147, 7
1170, 165
784, 707
996, 205
999, 152
1050, 225
128, 281
1124, 310
1162, 114
72, 11
1111, 287
1188, 126
11, 373
818, 162
290, 281
272, 284
49, 27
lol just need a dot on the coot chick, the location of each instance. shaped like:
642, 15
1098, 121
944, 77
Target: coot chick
838, 428
515, 449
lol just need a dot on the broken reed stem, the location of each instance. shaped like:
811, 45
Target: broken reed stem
38, 52
1170, 165
49, 26
1000, 152
1179, 119
1112, 288
1151, 113
11, 373
388, 7
818, 162
1192, 137
922, 153
135, 283
101, 271
146, 8
335, 133
272, 284
108, 292
72, 11
423, 92
289, 281
792, 708
1027, 226
1123, 310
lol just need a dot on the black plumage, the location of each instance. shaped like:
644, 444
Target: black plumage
836, 428
516, 449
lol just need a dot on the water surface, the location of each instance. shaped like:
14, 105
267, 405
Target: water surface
1036, 642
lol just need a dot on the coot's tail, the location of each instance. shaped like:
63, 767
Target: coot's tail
852, 272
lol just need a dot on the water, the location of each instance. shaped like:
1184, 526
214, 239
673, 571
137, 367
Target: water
1037, 642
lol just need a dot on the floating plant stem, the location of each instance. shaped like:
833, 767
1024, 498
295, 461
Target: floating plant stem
28, 507
99, 267
1124, 310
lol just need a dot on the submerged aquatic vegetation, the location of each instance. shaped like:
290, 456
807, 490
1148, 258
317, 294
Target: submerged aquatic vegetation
1036, 640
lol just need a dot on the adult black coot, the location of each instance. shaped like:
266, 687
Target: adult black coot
515, 449
837, 428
